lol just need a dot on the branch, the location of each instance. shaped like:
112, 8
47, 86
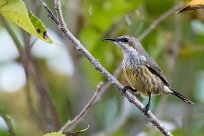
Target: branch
158, 21
101, 89
50, 14
8, 123
71, 124
131, 98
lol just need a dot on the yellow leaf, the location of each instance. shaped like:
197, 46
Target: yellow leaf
193, 5
16, 11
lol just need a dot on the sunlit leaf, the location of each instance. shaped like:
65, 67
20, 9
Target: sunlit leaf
16, 11
39, 27
193, 5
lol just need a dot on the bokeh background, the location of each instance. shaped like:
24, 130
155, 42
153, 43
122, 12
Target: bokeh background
55, 82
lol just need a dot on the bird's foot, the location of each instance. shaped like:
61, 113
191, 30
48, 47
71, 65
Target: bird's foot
146, 108
124, 90
127, 88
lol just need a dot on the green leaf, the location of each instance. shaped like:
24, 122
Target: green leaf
67, 133
16, 11
39, 27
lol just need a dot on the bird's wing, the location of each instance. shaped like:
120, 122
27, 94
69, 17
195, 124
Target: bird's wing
154, 68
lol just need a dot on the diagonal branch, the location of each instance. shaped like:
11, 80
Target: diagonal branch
72, 123
131, 98
100, 90
50, 14
155, 23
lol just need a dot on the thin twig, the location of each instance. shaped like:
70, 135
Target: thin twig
8, 123
101, 89
71, 124
158, 20
131, 98
50, 14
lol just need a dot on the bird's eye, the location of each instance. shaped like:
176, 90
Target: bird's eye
125, 40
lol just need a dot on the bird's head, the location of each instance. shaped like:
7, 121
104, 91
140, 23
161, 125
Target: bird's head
127, 44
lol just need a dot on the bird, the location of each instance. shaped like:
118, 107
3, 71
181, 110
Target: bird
142, 72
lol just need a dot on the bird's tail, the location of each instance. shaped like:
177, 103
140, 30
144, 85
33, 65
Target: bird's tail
183, 98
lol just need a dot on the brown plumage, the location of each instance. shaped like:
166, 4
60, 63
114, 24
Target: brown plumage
142, 72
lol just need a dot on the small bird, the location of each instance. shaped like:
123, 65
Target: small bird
141, 71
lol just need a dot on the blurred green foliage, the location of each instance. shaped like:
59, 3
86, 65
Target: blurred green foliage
111, 18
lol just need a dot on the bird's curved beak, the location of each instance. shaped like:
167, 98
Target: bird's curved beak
112, 39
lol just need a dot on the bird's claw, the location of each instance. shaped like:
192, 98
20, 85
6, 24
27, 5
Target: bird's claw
146, 108
124, 90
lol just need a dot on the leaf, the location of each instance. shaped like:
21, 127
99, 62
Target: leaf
193, 5
54, 134
71, 134
16, 11
67, 133
76, 133
39, 27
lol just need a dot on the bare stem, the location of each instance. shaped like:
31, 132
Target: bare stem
155, 23
71, 124
50, 14
101, 89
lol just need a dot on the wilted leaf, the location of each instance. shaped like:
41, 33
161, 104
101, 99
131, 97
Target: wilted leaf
193, 5
16, 11
71, 134
76, 133
54, 134
39, 27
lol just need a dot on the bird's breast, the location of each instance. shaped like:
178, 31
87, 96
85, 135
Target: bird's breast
141, 79
134, 60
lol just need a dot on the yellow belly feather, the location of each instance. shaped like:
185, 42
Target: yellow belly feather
142, 80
